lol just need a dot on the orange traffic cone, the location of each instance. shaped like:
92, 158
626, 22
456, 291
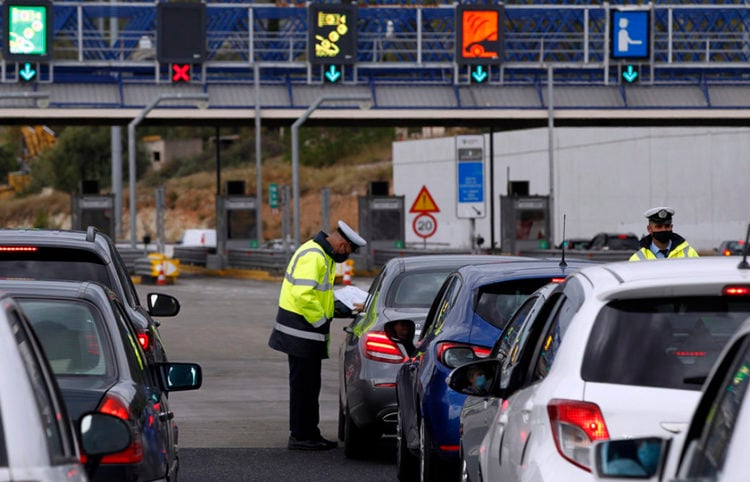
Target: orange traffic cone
161, 279
347, 278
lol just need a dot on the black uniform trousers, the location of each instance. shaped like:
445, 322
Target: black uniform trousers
304, 391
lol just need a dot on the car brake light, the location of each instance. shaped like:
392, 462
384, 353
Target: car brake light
453, 354
736, 290
379, 347
143, 340
575, 425
557, 280
114, 406
622, 236
11, 249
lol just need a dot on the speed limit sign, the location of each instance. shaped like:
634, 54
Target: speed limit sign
424, 225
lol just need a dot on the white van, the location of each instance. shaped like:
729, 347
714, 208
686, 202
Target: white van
205, 238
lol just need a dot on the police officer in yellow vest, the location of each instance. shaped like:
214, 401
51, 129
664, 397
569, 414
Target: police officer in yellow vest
661, 241
306, 307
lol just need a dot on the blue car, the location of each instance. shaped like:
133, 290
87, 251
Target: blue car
466, 318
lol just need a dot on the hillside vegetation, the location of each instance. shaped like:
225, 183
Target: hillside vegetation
190, 196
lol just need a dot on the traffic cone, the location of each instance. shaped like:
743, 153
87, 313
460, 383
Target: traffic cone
161, 279
347, 278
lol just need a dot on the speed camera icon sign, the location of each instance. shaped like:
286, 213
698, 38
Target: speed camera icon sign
480, 34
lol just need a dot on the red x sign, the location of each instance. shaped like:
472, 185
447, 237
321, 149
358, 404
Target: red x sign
180, 73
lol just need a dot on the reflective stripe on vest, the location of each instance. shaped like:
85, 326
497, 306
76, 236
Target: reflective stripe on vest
325, 286
300, 333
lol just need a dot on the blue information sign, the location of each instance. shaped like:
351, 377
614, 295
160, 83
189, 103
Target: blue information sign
470, 182
630, 34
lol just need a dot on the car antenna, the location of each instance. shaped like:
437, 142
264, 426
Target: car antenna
563, 264
744, 264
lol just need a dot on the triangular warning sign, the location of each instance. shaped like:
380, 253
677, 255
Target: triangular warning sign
424, 203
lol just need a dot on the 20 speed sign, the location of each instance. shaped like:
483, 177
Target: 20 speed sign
424, 225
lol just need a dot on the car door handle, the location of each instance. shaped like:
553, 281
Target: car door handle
166, 415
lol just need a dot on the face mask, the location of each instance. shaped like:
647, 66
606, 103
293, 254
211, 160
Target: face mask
662, 236
480, 381
339, 257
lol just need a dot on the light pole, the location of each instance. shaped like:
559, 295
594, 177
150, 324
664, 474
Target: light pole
363, 98
131, 148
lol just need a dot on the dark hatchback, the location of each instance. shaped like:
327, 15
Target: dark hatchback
369, 361
469, 313
85, 256
93, 350
614, 242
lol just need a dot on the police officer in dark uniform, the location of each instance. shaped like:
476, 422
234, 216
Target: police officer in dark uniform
661, 242
306, 307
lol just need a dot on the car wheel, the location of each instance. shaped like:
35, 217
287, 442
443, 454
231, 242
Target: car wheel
429, 464
464, 470
355, 439
341, 421
406, 462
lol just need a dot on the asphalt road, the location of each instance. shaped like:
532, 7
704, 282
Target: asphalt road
235, 427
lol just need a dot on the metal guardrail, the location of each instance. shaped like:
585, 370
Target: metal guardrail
195, 256
270, 260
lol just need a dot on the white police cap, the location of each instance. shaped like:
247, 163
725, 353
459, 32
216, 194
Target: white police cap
351, 235
660, 215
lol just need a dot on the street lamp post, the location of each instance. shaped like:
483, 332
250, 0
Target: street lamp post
131, 149
365, 98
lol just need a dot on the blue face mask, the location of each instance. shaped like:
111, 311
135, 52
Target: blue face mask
480, 381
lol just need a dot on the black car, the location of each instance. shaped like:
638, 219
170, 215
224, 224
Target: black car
368, 361
99, 365
85, 256
731, 248
614, 242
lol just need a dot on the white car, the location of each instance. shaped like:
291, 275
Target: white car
37, 440
622, 352
715, 443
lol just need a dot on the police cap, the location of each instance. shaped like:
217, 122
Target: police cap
660, 215
355, 240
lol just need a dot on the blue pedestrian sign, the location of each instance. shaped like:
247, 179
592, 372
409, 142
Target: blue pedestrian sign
629, 34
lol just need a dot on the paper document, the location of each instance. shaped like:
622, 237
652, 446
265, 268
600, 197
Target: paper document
349, 295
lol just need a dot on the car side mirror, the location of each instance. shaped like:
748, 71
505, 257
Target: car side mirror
176, 377
632, 459
402, 333
160, 304
101, 434
477, 378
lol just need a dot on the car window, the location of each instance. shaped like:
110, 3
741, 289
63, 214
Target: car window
54, 421
665, 342
54, 263
720, 418
73, 335
130, 293
441, 307
129, 338
3, 446
565, 311
511, 334
415, 289
497, 302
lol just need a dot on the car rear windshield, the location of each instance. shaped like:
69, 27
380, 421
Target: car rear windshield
627, 244
668, 343
497, 302
416, 289
54, 264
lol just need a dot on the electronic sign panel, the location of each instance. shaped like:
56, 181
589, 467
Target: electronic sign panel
630, 37
480, 34
333, 34
28, 30
181, 32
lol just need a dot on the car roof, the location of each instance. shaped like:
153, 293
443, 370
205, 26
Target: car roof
54, 288
660, 276
477, 275
90, 239
449, 260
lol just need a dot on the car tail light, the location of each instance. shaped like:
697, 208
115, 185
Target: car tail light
144, 341
452, 354
575, 425
736, 290
379, 347
133, 454
726, 252
15, 249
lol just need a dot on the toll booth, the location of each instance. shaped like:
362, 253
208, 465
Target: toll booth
525, 223
381, 223
93, 210
236, 222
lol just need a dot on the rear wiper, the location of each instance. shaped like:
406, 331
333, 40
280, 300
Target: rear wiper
696, 380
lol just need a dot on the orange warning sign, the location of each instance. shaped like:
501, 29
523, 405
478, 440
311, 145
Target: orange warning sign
424, 203
480, 33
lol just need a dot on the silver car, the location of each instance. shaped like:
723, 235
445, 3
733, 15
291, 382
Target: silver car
37, 440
